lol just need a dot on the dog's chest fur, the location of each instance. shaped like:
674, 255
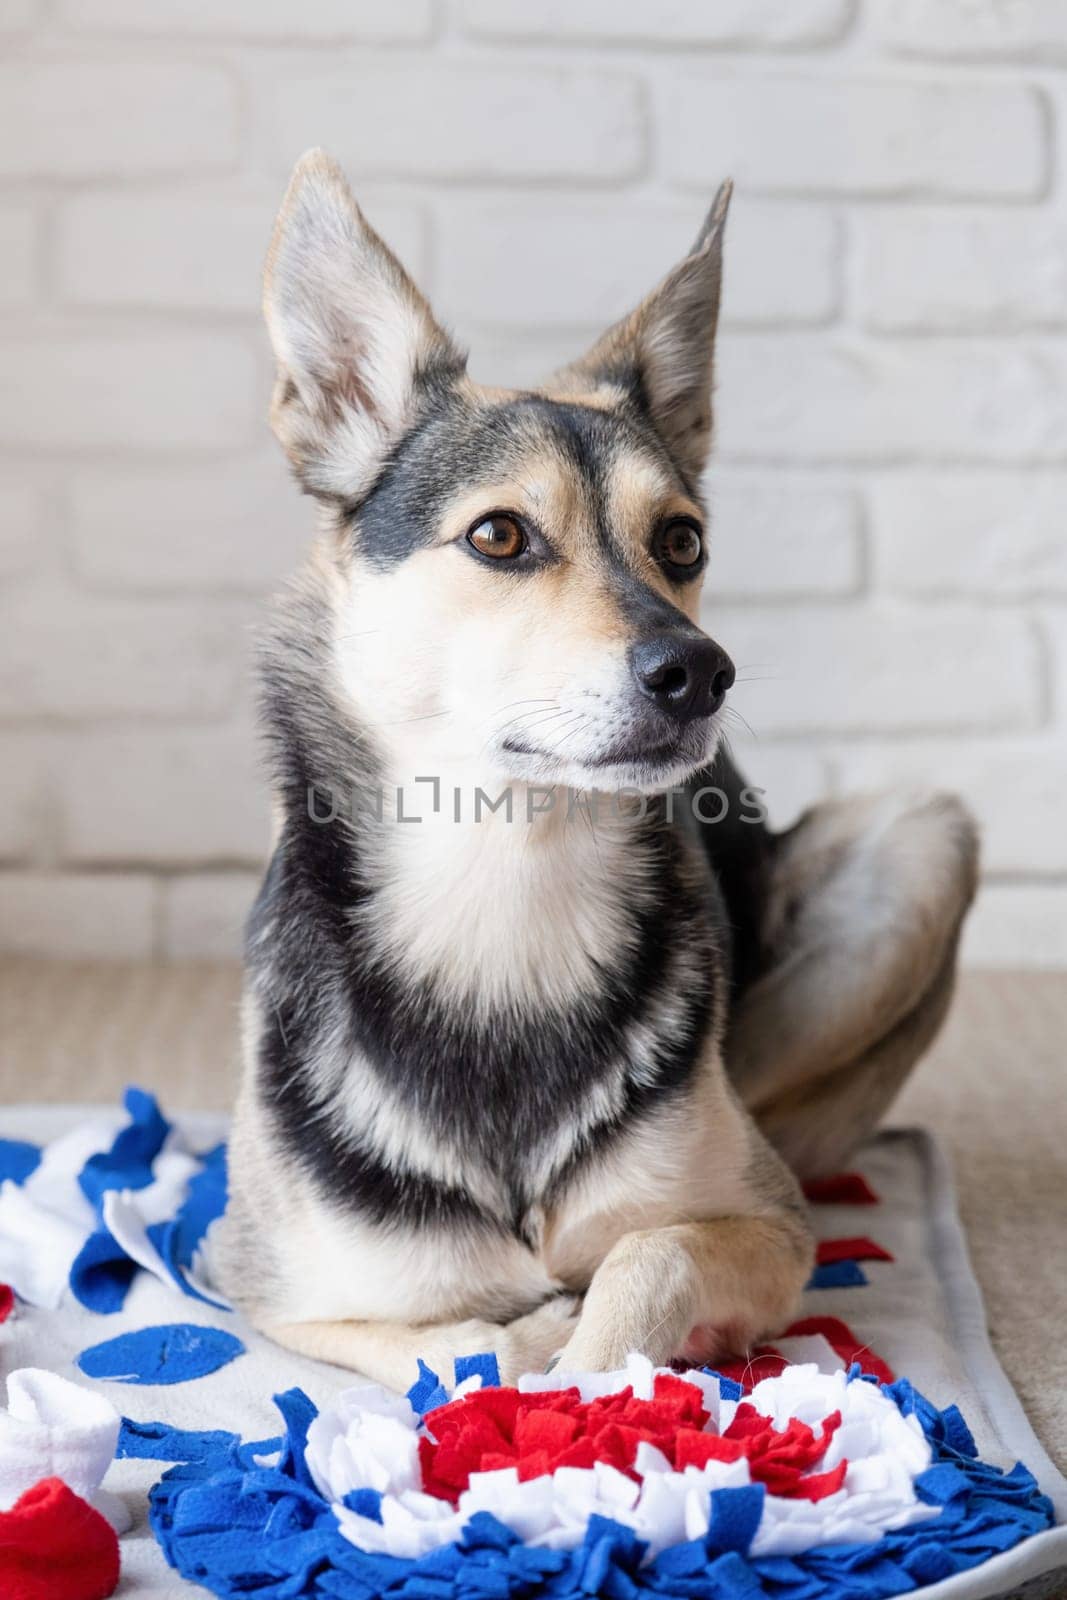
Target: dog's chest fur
449, 1032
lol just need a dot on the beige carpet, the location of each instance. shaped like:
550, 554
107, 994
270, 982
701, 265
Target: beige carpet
994, 1089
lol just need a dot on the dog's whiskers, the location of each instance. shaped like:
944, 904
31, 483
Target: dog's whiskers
732, 711
757, 672
522, 721
426, 717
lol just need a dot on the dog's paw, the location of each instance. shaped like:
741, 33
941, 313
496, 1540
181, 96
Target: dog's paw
599, 1346
531, 1342
582, 1354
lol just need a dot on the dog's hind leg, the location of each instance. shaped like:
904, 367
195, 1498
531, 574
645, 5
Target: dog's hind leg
389, 1352
858, 920
818, 1124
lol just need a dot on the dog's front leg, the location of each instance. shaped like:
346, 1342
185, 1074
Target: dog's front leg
697, 1290
389, 1352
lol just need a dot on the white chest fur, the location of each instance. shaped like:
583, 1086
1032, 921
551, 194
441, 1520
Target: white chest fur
527, 902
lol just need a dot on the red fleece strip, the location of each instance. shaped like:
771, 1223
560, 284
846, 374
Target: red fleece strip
843, 1342
54, 1546
859, 1249
843, 1189
780, 1457
7, 1302
538, 1432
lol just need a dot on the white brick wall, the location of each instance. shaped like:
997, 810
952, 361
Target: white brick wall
128, 391
866, 135
16, 256
73, 656
580, 265
741, 24
472, 120
276, 21
75, 118
821, 398
815, 671
998, 536
920, 270
998, 30
889, 562
161, 529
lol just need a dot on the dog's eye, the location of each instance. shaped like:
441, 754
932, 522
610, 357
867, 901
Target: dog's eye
498, 536
678, 544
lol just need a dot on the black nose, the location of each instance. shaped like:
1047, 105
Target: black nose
685, 676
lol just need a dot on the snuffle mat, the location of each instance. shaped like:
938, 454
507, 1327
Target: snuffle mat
873, 1449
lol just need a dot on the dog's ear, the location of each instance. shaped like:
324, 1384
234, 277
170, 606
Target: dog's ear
662, 352
356, 344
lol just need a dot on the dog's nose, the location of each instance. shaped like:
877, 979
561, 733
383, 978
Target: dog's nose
686, 677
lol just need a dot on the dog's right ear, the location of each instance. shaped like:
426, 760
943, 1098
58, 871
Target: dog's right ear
355, 341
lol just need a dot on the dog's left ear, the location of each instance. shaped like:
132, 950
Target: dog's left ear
662, 353
357, 346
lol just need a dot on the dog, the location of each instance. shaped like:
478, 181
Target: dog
527, 1072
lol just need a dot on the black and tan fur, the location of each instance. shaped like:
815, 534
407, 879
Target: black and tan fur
527, 1084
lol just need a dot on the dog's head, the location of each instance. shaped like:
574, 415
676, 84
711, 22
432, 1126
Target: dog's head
517, 573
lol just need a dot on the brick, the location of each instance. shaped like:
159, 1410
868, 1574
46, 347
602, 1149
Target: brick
828, 670
781, 538
18, 14
739, 24
1017, 925
509, 263
164, 250
959, 271
79, 119
267, 19
204, 915
21, 517
241, 526
18, 246
520, 359
1024, 30
995, 534
183, 391
799, 398
77, 916
1014, 787
881, 136
473, 121
163, 798
187, 251
70, 656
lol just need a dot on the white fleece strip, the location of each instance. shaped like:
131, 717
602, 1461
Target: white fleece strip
53, 1428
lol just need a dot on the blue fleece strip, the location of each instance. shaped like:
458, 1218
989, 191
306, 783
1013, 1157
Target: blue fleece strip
158, 1441
101, 1273
128, 1164
837, 1275
18, 1159
173, 1352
